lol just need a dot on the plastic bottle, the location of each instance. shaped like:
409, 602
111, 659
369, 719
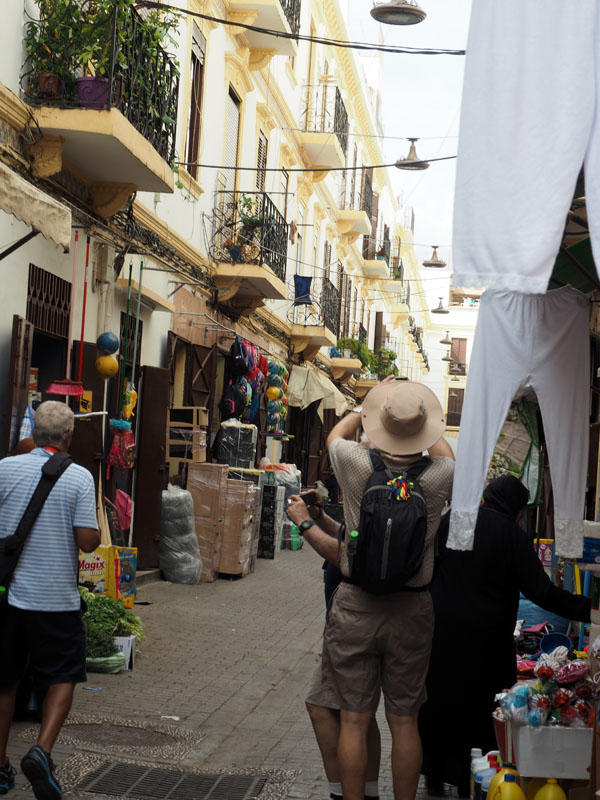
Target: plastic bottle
485, 784
533, 786
352, 546
483, 774
507, 769
478, 764
550, 791
510, 789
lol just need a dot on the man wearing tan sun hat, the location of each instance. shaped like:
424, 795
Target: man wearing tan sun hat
375, 643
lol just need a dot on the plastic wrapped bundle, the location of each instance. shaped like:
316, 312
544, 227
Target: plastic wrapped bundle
236, 444
178, 552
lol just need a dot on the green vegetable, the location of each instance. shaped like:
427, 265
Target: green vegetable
99, 643
105, 618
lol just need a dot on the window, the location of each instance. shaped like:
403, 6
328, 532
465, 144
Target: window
232, 130
261, 161
458, 354
197, 75
326, 261
455, 404
48, 302
284, 186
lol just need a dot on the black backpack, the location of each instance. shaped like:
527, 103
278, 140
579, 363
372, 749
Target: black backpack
389, 549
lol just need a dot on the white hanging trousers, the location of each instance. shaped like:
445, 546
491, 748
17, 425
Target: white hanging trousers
541, 340
530, 118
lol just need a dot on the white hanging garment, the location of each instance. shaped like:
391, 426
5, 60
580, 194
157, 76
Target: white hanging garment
538, 340
530, 117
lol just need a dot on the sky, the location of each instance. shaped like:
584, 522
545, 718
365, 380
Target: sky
421, 97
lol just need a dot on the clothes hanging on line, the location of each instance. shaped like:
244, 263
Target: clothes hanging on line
542, 341
530, 119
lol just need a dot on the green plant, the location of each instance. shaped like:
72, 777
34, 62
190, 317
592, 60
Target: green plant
345, 343
103, 614
52, 41
99, 643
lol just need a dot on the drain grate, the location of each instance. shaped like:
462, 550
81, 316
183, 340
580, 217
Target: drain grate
145, 783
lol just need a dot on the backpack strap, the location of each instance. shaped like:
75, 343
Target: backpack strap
379, 464
415, 470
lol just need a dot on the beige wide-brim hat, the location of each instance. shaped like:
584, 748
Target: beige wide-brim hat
402, 417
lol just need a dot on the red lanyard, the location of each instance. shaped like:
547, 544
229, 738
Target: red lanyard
51, 449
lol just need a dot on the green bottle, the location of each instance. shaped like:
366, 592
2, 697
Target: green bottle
352, 545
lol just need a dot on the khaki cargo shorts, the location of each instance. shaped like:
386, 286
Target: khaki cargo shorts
374, 644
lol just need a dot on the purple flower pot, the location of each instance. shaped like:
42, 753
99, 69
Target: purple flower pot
93, 92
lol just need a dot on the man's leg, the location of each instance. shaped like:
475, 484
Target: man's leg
7, 708
373, 752
326, 725
55, 710
406, 755
352, 752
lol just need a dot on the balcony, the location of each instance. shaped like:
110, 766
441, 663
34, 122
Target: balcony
374, 267
399, 308
249, 246
343, 368
354, 207
315, 317
116, 122
324, 139
282, 16
457, 369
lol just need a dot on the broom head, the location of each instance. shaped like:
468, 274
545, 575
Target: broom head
66, 387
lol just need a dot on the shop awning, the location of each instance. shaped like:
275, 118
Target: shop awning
34, 207
307, 385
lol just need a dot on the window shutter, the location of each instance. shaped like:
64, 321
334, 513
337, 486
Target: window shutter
232, 129
458, 351
261, 162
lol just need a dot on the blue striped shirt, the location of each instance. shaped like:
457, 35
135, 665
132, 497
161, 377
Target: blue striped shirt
46, 576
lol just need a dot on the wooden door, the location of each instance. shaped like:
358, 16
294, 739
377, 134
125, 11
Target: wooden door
87, 446
150, 463
18, 381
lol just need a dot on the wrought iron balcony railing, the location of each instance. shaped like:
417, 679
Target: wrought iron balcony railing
330, 307
455, 368
291, 9
362, 334
248, 228
397, 269
324, 112
117, 55
366, 199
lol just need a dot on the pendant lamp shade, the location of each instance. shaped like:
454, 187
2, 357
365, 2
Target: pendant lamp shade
412, 160
398, 12
435, 261
446, 340
447, 357
440, 309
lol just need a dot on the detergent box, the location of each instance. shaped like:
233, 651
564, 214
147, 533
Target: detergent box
100, 571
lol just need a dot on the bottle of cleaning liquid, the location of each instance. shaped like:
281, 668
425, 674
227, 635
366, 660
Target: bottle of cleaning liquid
478, 761
507, 769
485, 784
482, 774
510, 789
550, 791
533, 786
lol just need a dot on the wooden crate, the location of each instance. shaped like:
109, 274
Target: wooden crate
186, 434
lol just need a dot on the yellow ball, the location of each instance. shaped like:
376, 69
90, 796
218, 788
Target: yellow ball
107, 366
273, 393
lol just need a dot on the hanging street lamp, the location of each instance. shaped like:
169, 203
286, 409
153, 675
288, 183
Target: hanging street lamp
440, 309
447, 357
435, 261
412, 160
446, 340
398, 12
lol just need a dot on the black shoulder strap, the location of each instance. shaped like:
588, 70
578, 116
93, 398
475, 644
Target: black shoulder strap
51, 472
378, 463
414, 470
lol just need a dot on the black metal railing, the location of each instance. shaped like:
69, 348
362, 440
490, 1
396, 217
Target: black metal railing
324, 112
397, 269
291, 9
81, 53
330, 307
366, 198
248, 228
455, 368
362, 334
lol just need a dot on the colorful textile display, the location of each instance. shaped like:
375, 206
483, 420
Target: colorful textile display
277, 377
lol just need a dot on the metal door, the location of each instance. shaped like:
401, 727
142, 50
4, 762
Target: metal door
18, 381
150, 463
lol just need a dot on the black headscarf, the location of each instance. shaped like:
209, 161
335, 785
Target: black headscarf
507, 495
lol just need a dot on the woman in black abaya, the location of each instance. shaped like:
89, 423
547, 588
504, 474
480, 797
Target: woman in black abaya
476, 597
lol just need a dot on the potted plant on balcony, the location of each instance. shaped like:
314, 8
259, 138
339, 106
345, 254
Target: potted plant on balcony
51, 52
249, 219
95, 54
347, 346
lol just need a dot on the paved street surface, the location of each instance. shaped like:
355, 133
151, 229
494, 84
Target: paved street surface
218, 686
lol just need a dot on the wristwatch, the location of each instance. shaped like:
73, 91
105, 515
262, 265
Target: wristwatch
304, 526
357, 409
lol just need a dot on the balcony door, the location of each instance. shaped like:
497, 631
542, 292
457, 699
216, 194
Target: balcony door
232, 136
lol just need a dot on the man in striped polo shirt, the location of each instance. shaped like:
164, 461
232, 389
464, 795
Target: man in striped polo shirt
42, 622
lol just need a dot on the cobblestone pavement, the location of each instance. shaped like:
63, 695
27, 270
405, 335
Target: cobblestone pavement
223, 672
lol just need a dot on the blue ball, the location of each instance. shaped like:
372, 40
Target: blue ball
107, 343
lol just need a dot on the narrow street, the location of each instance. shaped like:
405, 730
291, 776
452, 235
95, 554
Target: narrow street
217, 687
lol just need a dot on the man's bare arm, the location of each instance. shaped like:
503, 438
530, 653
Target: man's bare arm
441, 449
345, 428
87, 539
325, 544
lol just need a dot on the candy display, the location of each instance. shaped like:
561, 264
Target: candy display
559, 694
276, 379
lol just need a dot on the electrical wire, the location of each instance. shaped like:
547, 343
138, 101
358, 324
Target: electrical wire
379, 135
310, 169
299, 37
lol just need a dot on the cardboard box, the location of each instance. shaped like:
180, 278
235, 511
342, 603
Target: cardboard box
206, 483
553, 752
128, 570
126, 645
101, 569
240, 507
545, 551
